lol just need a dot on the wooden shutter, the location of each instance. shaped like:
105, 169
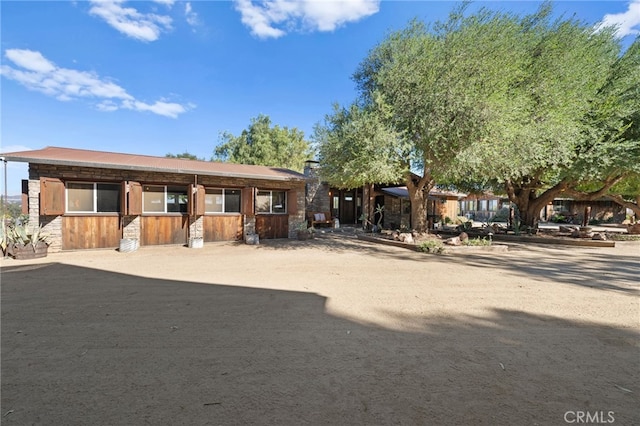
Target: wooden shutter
292, 202
200, 200
25, 196
248, 201
52, 197
134, 199
123, 198
191, 199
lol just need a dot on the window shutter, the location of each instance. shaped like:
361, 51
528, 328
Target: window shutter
52, 197
123, 198
25, 196
191, 199
134, 199
200, 202
292, 202
248, 200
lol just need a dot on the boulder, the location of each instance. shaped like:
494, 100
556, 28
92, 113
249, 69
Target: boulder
567, 229
406, 237
453, 241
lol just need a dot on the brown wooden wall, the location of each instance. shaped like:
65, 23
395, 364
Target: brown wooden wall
272, 226
222, 228
88, 232
157, 230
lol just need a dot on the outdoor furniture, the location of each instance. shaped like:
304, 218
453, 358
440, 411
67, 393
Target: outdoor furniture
320, 218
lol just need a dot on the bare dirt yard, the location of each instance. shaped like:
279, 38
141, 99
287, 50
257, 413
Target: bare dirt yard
331, 331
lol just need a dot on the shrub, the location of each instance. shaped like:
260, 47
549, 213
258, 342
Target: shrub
478, 242
431, 246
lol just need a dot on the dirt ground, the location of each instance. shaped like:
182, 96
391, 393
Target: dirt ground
331, 331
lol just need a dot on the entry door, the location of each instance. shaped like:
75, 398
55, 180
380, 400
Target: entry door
348, 207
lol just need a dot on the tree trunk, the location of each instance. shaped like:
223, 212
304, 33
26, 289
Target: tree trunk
418, 195
635, 207
529, 203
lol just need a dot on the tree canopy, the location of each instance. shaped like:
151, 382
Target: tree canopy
529, 105
262, 144
186, 155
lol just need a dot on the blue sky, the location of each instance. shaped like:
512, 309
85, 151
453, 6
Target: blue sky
158, 77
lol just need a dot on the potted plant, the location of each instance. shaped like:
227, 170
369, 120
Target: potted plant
20, 242
304, 232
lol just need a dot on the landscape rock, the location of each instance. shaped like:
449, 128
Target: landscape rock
406, 237
567, 229
453, 241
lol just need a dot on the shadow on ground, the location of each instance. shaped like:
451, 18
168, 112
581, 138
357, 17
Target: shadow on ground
598, 268
83, 346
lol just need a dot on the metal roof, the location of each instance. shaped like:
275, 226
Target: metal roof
113, 160
403, 192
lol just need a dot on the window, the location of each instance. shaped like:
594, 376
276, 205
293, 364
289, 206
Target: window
164, 199
222, 200
92, 197
493, 205
271, 202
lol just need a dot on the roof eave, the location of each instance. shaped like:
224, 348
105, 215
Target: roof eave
54, 162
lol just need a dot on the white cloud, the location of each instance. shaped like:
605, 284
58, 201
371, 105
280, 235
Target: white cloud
14, 148
191, 16
271, 18
628, 22
127, 20
66, 84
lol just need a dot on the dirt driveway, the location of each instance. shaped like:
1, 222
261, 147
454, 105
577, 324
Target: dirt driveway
330, 331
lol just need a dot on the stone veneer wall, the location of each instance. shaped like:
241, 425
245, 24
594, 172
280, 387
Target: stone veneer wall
317, 192
296, 220
52, 225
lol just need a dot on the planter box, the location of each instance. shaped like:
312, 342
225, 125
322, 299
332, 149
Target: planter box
27, 251
305, 235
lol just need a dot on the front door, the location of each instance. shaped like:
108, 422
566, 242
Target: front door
348, 207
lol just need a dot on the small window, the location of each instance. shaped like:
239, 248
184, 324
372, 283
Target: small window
222, 200
89, 197
164, 199
271, 202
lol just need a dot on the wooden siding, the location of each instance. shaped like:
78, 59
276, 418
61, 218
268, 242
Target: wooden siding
89, 232
157, 230
222, 228
52, 196
272, 226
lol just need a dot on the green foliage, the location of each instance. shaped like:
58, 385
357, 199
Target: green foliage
184, 155
13, 233
10, 210
262, 144
356, 147
478, 242
431, 246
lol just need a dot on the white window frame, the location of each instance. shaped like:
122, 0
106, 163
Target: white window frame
271, 201
94, 196
224, 201
164, 198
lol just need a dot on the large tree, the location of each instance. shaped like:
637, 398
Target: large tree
262, 144
567, 122
423, 98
